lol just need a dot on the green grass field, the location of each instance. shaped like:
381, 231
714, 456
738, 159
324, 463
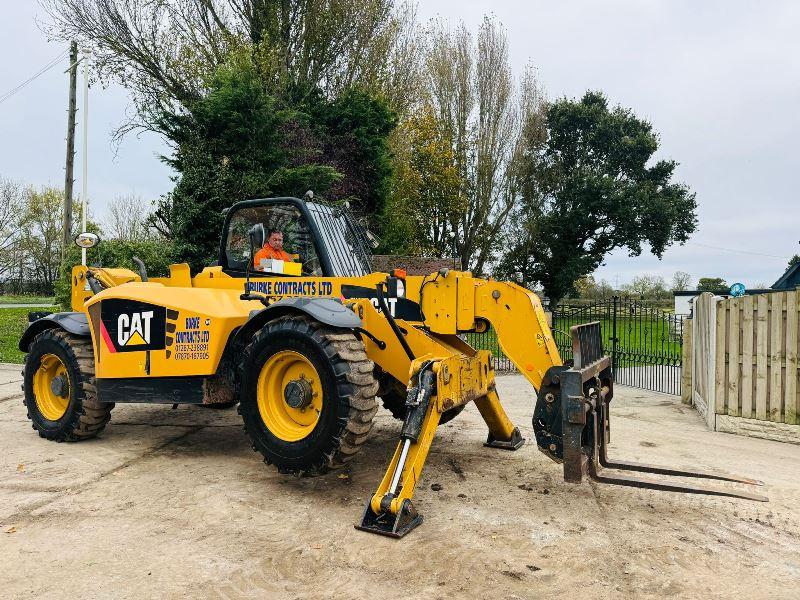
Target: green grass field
649, 340
639, 336
12, 323
39, 300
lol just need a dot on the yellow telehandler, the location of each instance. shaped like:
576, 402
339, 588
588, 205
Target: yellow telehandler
305, 343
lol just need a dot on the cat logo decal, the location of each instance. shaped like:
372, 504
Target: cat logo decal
132, 326
134, 330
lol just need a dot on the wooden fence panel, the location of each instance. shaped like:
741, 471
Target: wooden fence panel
719, 380
762, 316
734, 366
775, 363
747, 357
792, 401
687, 360
703, 355
745, 363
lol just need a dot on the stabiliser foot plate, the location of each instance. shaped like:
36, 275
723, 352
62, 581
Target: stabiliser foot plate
515, 443
390, 525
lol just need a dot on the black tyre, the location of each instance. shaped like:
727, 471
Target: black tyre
59, 388
219, 405
393, 396
307, 395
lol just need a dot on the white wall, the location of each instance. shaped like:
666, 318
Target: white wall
683, 304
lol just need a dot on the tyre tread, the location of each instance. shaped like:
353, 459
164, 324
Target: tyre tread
355, 381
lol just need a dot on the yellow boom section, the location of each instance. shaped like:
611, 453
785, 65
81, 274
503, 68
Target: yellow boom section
457, 302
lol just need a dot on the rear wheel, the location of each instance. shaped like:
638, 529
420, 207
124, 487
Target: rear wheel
59, 387
393, 395
307, 395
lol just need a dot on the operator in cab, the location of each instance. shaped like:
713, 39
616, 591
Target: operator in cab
273, 248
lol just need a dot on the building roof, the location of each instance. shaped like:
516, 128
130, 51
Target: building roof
414, 265
692, 293
790, 279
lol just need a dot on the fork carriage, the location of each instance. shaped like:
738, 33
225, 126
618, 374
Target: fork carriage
572, 422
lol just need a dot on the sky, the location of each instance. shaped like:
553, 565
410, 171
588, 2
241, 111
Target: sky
719, 80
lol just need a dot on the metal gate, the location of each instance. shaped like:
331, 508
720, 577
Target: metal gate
645, 342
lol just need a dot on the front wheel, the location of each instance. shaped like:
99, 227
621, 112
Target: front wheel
59, 388
307, 395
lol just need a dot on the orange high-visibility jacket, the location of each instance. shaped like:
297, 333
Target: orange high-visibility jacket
269, 252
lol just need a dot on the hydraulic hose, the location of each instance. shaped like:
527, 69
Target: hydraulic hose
385, 309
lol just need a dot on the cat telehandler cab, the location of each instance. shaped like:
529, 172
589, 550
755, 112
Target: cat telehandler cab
305, 346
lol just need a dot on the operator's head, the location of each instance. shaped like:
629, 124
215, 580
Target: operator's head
275, 239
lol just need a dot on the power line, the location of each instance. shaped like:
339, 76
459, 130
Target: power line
39, 73
737, 251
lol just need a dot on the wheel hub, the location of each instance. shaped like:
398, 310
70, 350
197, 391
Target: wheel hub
51, 387
59, 386
298, 393
289, 395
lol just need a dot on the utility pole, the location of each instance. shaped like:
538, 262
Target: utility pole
68, 177
86, 53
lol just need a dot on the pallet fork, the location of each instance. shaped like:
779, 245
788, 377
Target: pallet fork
572, 425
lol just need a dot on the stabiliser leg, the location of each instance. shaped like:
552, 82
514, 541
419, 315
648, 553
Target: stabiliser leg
437, 385
585, 392
390, 511
502, 433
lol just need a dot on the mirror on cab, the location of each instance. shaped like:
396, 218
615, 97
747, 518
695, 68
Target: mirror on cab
87, 240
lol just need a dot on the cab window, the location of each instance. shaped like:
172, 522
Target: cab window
298, 242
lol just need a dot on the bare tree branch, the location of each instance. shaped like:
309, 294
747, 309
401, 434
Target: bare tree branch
485, 115
127, 219
12, 196
165, 51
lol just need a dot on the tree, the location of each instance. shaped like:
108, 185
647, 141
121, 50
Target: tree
590, 189
40, 239
160, 219
794, 260
486, 119
166, 52
352, 133
127, 219
647, 286
257, 98
715, 285
585, 287
681, 281
240, 142
425, 195
11, 205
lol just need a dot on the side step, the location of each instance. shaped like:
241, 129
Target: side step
579, 436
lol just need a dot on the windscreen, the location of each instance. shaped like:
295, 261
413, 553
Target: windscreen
344, 238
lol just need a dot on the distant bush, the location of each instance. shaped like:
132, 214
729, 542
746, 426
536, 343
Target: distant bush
157, 255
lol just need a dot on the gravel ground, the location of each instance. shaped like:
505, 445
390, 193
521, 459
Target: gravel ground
174, 504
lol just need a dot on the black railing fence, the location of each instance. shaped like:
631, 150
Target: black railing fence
645, 342
488, 341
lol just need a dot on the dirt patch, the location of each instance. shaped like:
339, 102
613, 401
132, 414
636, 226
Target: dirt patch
174, 504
